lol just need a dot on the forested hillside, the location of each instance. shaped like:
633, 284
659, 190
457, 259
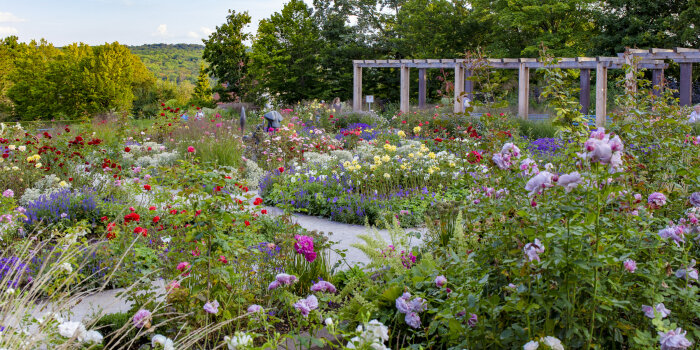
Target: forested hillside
172, 62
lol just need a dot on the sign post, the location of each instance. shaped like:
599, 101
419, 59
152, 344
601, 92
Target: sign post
369, 99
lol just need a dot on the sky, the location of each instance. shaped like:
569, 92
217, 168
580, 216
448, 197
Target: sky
130, 22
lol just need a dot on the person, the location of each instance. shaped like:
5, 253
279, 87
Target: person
337, 106
694, 117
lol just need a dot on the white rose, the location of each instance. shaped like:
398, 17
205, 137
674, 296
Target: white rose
531, 345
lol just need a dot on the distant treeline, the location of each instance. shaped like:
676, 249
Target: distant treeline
171, 62
39, 81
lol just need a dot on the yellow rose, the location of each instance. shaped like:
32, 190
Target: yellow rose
11, 147
386, 175
385, 158
401, 134
431, 155
63, 184
37, 165
416, 129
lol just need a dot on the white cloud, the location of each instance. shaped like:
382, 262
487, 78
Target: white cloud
193, 35
9, 17
162, 30
206, 31
7, 31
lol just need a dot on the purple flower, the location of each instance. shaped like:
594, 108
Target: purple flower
471, 322
660, 308
412, 319
402, 303
8, 193
674, 340
539, 182
676, 233
285, 279
305, 306
142, 318
440, 281
212, 307
656, 200
630, 265
689, 272
569, 181
532, 250
502, 161
323, 286
417, 305
695, 199
255, 308
273, 285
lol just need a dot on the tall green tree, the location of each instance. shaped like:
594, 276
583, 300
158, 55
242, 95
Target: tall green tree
646, 24
285, 56
226, 54
202, 91
517, 28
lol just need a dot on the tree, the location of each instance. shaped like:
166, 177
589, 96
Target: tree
517, 28
227, 57
202, 91
9, 49
77, 81
646, 24
285, 56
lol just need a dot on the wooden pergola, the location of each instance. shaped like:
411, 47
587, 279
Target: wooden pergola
649, 59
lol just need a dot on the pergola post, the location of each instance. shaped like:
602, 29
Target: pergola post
601, 93
421, 87
585, 94
468, 84
686, 83
458, 87
523, 91
357, 88
631, 75
404, 93
657, 80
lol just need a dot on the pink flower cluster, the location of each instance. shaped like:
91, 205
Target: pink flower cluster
142, 318
305, 306
504, 158
282, 279
323, 286
600, 148
305, 246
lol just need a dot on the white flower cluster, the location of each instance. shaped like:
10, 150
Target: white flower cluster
46, 186
374, 334
253, 174
550, 343
238, 341
156, 159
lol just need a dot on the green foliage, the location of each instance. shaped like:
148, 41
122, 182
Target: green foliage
568, 119
285, 60
201, 95
171, 62
646, 23
77, 81
227, 55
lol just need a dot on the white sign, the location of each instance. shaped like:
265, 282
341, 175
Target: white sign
369, 98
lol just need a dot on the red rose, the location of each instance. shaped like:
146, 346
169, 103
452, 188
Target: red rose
156, 219
147, 187
258, 201
264, 211
104, 218
141, 230
247, 223
281, 169
131, 217
127, 149
151, 208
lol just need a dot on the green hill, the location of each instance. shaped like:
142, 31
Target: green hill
173, 62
